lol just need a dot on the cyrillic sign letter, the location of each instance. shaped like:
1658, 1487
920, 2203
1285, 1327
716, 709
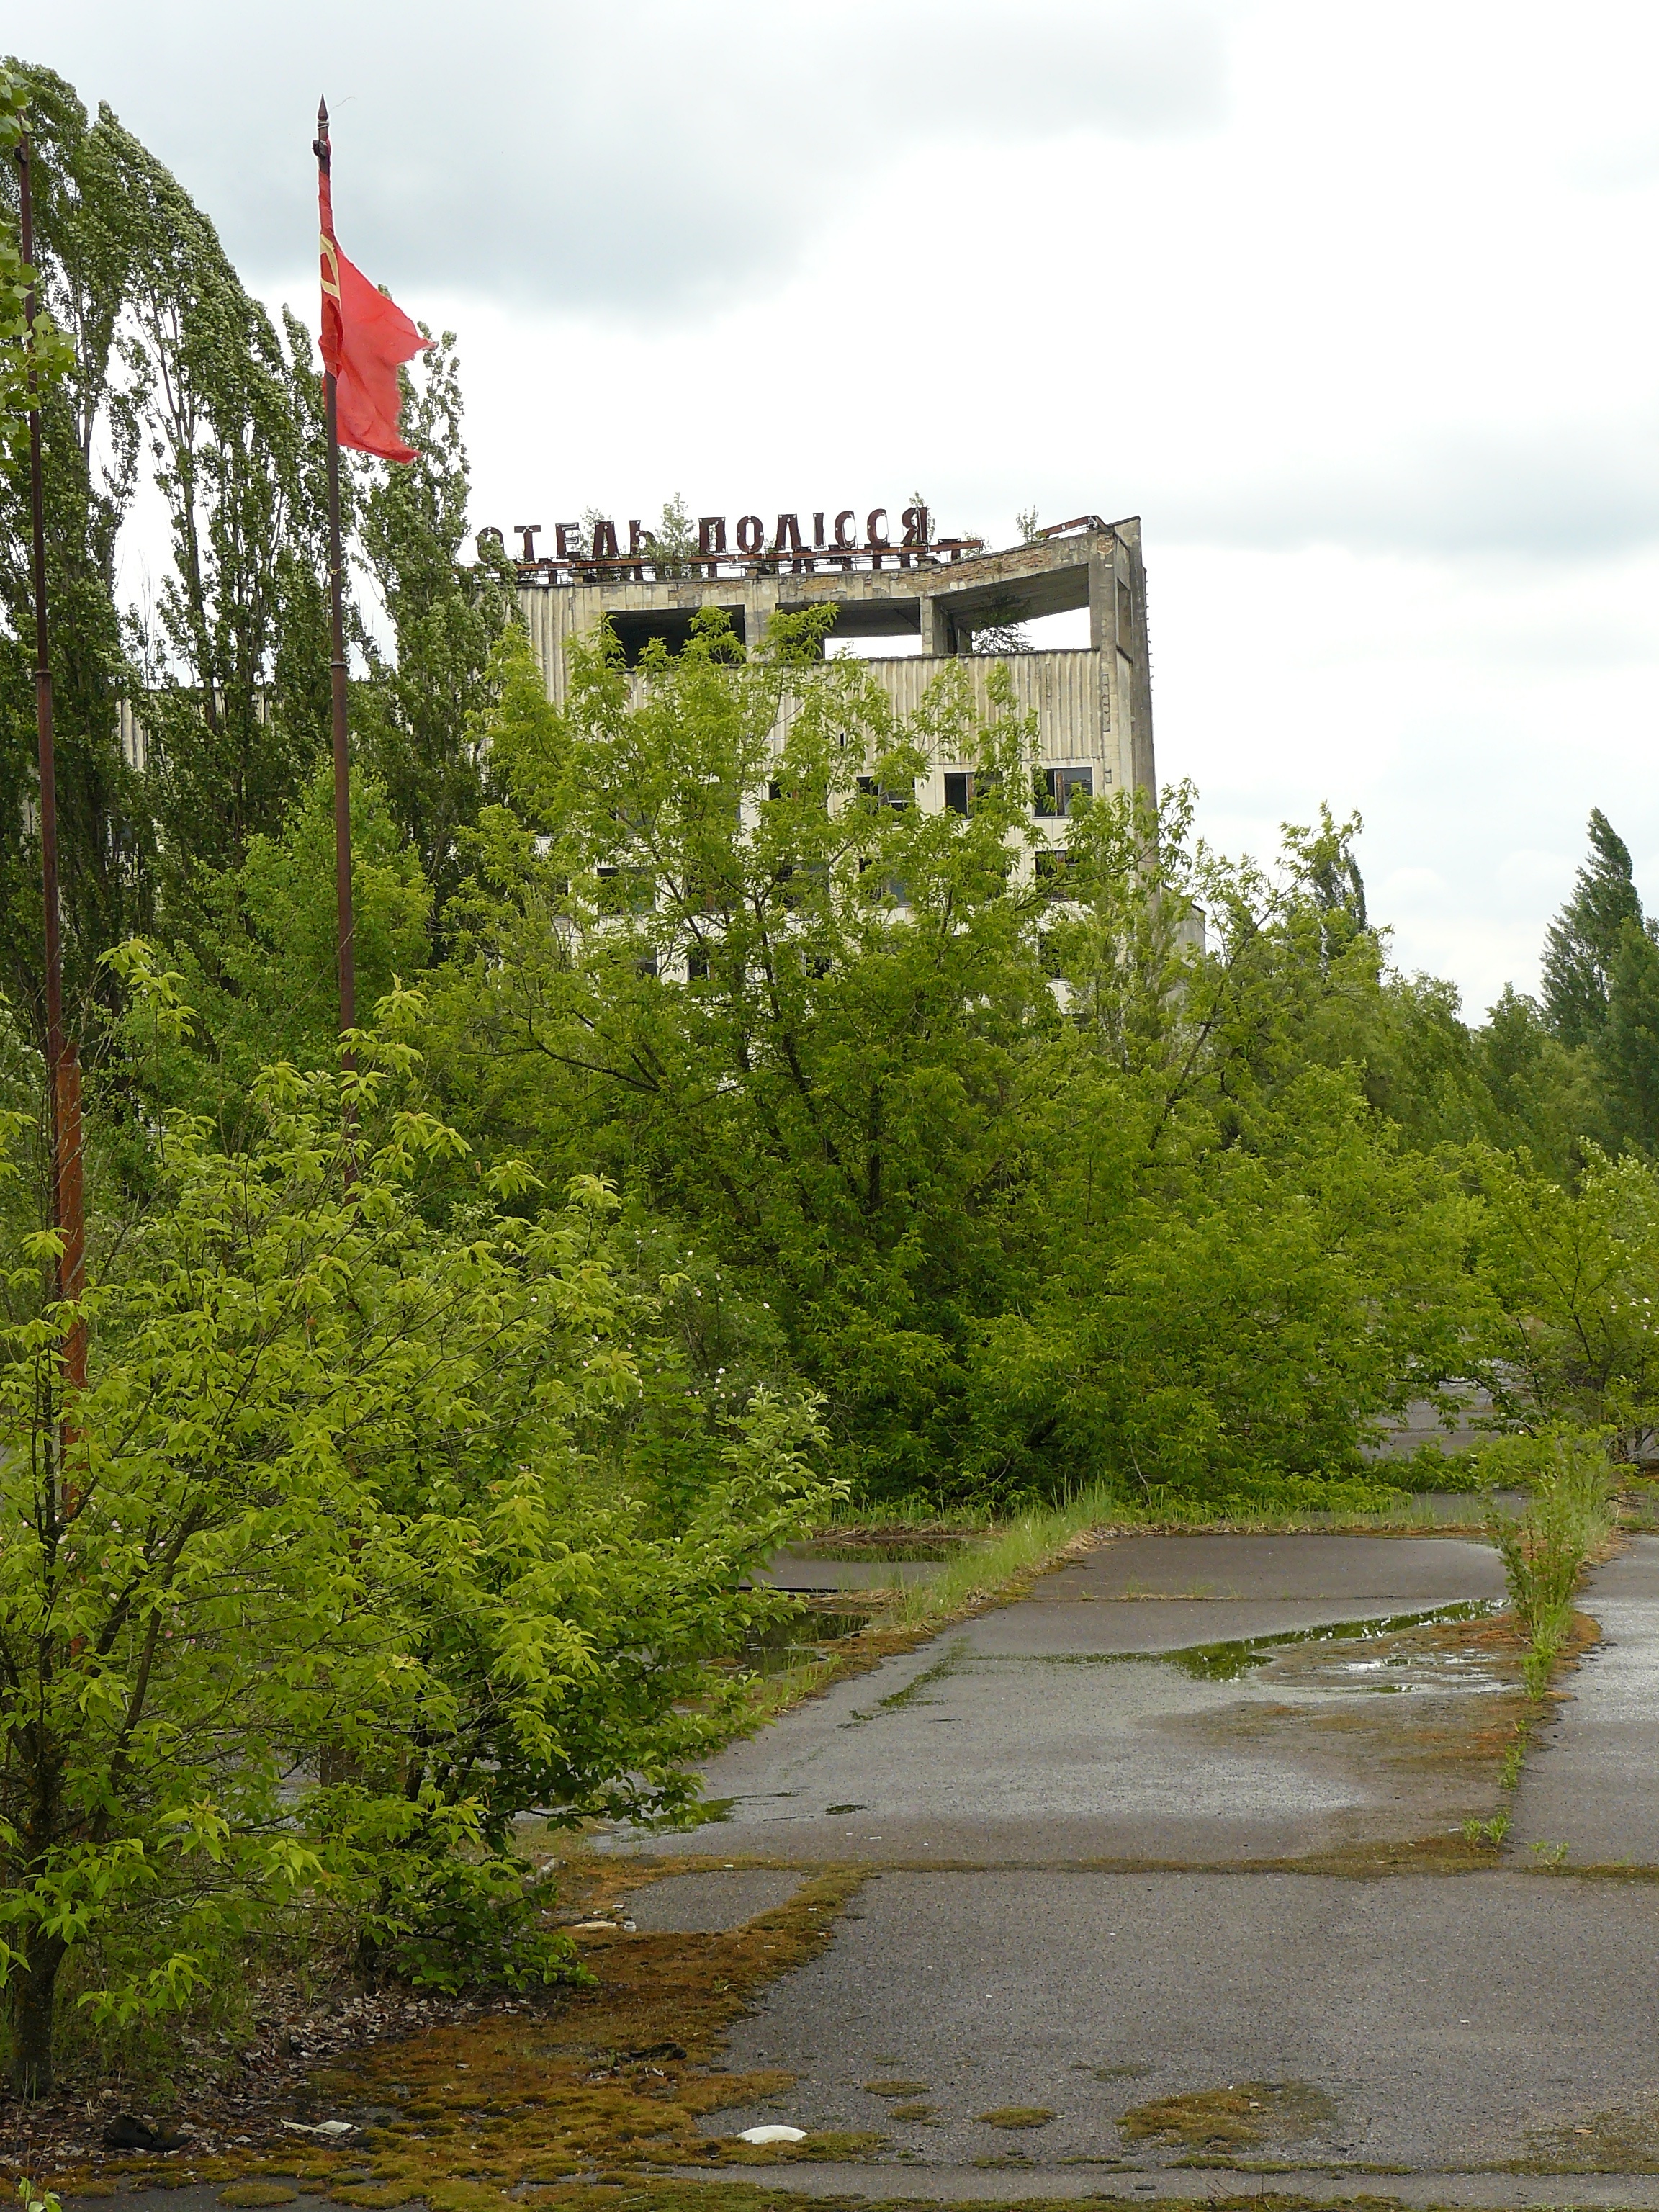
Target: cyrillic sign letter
711, 533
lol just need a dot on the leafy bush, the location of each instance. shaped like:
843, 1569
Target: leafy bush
334, 1494
1544, 1549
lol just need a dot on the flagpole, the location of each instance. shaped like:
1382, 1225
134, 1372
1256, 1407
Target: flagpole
63, 1065
344, 921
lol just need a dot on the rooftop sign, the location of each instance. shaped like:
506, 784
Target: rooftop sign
845, 538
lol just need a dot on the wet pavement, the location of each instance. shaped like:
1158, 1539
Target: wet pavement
1592, 1783
956, 2185
1422, 2021
1096, 1720
1203, 1701
712, 1902
1060, 1800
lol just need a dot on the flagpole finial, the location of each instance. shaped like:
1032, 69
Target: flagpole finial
320, 143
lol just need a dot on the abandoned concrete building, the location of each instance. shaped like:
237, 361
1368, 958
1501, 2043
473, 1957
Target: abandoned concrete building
1093, 703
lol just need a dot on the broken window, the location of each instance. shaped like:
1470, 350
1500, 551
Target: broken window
1056, 787
889, 794
962, 787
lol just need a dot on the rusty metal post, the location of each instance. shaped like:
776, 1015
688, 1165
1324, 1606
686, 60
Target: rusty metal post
344, 924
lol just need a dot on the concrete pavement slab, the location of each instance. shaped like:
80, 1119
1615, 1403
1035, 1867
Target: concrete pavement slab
1086, 1723
1593, 1781
1390, 1572
1433, 2023
710, 1902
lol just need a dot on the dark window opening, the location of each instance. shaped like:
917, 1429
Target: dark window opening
627, 890
1057, 786
963, 786
673, 625
887, 794
1055, 873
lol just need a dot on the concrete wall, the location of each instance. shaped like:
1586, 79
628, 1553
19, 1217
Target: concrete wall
1093, 705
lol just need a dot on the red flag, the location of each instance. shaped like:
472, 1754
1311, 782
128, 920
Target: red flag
365, 336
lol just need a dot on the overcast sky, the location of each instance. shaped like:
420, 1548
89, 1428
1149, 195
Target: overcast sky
1354, 305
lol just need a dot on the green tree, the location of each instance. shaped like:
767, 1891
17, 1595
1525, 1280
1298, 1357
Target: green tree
339, 1480
1628, 1046
1583, 942
419, 713
84, 251
260, 964
1573, 1272
34, 353
933, 1090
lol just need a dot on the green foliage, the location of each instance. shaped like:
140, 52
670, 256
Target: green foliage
1034, 1190
84, 248
1628, 1048
1544, 1551
1583, 942
260, 967
1573, 1273
339, 1494
419, 713
33, 352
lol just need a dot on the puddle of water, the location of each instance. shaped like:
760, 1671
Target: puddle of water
1229, 1661
1226, 1662
935, 1550
783, 1644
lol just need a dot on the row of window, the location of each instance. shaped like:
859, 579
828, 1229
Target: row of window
1056, 788
635, 890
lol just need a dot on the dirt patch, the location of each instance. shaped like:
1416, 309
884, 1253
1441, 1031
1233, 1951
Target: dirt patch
1016, 2116
1239, 2117
1624, 2141
611, 2078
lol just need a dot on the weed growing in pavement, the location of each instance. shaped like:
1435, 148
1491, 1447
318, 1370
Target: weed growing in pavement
1491, 1831
1548, 1854
1515, 1759
1544, 1549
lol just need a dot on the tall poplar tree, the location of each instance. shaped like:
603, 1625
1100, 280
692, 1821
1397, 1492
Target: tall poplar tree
1582, 941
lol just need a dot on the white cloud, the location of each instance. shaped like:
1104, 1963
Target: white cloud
1352, 306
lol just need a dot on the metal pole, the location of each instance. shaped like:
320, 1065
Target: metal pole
62, 1068
344, 924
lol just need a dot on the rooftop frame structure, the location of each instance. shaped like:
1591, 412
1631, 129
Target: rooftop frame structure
1093, 704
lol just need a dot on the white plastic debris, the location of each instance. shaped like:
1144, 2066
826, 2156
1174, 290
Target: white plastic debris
592, 1927
322, 2127
773, 2135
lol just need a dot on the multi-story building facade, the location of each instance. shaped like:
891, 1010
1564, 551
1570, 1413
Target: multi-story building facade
1093, 703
